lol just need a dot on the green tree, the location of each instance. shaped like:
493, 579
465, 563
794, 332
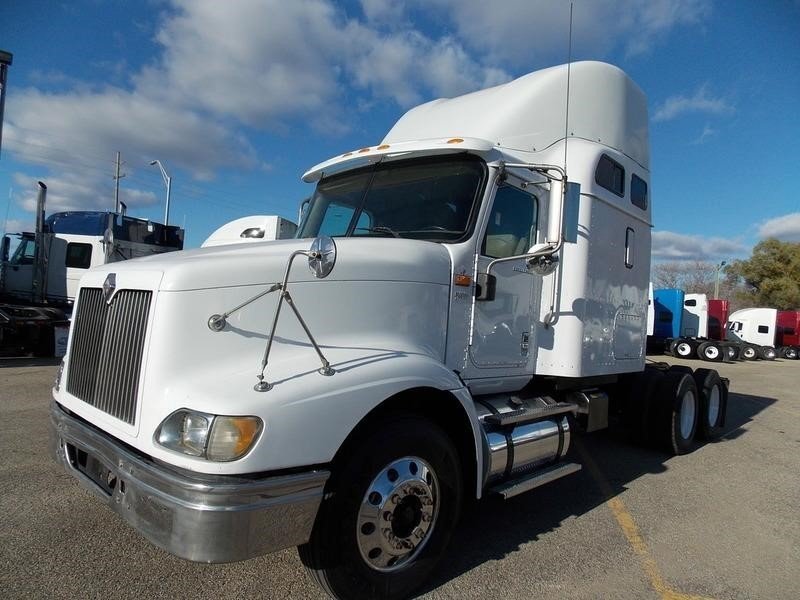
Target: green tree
772, 275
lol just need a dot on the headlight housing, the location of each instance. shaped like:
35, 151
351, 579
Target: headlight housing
218, 438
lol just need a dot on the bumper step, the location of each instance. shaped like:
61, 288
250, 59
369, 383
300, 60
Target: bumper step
512, 488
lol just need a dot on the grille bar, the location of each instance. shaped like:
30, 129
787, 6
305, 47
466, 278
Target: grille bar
107, 347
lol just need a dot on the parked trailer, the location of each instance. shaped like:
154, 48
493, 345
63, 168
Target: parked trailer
39, 281
472, 300
771, 331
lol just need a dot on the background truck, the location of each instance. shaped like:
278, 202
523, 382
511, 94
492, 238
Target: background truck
254, 228
693, 326
39, 280
474, 293
767, 329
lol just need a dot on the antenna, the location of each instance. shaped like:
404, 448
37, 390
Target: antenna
569, 66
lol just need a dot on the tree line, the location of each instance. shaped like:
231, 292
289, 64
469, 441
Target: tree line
769, 278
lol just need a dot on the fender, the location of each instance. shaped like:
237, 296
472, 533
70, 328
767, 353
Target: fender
307, 416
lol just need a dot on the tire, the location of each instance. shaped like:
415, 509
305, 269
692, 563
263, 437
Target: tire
713, 404
711, 352
737, 352
791, 353
767, 353
675, 415
731, 352
638, 404
748, 352
357, 547
683, 349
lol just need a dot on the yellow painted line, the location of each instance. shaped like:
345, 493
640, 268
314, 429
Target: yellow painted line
631, 532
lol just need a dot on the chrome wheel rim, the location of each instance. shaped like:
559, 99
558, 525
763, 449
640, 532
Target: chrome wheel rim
688, 409
713, 406
684, 349
749, 353
712, 352
397, 514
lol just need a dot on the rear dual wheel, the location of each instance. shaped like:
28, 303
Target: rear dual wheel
390, 508
711, 352
713, 403
676, 412
748, 352
682, 348
767, 353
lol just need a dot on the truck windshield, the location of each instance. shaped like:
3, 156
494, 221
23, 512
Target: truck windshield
425, 199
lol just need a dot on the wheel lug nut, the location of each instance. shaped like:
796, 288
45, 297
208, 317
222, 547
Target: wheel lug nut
387, 516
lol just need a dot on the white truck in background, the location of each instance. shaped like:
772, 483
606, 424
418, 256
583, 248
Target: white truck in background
39, 280
476, 292
253, 228
767, 329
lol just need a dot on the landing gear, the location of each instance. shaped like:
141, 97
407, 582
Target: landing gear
390, 509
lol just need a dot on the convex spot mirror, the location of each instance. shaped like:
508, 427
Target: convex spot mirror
322, 256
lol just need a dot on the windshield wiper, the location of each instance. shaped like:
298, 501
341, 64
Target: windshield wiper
379, 229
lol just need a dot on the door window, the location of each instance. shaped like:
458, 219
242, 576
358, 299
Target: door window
512, 223
24, 253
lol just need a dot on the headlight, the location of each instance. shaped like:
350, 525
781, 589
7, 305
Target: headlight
213, 437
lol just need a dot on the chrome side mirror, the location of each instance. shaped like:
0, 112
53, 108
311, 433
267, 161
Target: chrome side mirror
322, 257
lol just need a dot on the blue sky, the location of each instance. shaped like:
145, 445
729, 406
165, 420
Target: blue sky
237, 99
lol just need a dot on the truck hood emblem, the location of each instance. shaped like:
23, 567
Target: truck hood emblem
109, 287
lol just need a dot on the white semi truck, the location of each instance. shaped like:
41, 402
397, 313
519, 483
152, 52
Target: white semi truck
774, 333
461, 298
39, 279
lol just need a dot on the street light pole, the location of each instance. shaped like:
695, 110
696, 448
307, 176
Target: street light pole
716, 283
168, 182
6, 58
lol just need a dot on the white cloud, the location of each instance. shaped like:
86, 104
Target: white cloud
18, 226
700, 102
707, 132
786, 228
77, 190
517, 32
384, 12
667, 245
225, 67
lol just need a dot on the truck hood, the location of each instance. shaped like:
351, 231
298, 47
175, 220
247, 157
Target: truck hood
358, 259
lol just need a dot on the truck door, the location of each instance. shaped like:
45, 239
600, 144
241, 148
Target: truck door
502, 325
18, 271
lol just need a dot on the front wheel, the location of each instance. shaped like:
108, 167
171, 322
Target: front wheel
391, 507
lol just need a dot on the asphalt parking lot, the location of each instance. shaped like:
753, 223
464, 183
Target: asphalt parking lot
721, 522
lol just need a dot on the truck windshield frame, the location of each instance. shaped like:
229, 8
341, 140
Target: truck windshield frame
432, 198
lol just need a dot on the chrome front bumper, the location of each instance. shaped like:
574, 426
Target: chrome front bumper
204, 518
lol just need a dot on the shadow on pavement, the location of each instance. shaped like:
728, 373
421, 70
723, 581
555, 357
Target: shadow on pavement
28, 361
493, 528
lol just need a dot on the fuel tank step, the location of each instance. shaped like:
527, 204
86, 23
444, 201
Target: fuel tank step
526, 414
509, 489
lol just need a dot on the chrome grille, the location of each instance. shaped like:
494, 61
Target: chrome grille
107, 345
